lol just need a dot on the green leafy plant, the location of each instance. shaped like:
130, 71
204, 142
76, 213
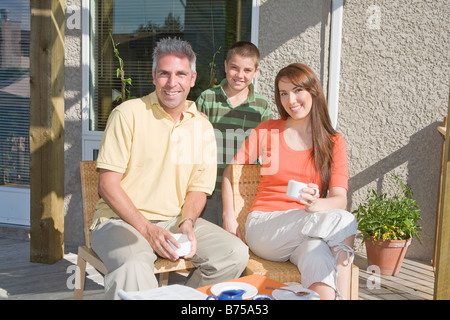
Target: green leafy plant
212, 69
120, 73
389, 217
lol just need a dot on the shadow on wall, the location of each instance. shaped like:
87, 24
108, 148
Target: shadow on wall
424, 147
310, 13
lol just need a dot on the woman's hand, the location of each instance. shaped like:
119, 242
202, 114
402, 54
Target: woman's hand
336, 199
231, 225
309, 197
229, 217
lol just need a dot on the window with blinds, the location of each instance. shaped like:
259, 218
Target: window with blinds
14, 92
135, 26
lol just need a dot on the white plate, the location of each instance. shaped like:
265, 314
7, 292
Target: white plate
250, 290
286, 295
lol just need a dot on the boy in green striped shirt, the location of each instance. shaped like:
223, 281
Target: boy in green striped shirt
233, 108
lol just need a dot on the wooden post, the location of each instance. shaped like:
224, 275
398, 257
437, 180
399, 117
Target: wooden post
442, 274
47, 130
442, 130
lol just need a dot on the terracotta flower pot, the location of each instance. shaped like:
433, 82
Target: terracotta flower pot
388, 255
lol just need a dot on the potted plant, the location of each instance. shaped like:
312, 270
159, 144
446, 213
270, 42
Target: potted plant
388, 224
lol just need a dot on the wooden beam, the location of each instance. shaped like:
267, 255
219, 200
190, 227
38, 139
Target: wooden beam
442, 277
442, 130
47, 130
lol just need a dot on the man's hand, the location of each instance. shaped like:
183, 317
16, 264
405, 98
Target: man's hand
192, 208
187, 227
158, 237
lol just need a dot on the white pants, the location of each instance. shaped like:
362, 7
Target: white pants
303, 238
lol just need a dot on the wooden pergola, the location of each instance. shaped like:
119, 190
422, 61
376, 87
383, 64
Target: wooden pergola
47, 147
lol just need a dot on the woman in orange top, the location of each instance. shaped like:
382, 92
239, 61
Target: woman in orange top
313, 230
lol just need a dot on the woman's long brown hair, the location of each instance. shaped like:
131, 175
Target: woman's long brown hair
322, 130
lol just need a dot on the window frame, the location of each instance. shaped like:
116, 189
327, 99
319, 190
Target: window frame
90, 138
15, 197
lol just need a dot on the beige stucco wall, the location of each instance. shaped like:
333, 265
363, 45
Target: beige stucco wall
292, 31
73, 216
393, 94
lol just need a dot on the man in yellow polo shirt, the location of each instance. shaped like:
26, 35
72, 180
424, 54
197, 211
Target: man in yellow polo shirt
157, 164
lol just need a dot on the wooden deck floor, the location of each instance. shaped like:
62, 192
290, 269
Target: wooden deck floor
22, 279
414, 282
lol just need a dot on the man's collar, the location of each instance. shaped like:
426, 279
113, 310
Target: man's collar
190, 112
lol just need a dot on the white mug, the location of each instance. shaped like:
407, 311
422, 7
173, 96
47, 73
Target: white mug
295, 189
185, 244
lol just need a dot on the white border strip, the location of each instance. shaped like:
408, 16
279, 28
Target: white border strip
337, 9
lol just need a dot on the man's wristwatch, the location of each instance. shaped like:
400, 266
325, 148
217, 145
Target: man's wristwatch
184, 220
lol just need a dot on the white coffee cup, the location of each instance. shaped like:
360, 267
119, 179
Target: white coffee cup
295, 189
185, 244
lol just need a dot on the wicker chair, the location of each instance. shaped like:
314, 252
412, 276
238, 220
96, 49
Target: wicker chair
89, 183
244, 181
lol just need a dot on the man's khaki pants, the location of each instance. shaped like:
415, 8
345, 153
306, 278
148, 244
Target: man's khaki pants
130, 259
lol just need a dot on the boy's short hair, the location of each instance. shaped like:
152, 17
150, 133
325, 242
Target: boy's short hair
245, 49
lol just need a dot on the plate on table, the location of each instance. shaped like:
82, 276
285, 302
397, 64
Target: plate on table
286, 295
250, 291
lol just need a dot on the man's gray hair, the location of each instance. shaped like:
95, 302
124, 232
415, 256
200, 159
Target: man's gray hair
174, 46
